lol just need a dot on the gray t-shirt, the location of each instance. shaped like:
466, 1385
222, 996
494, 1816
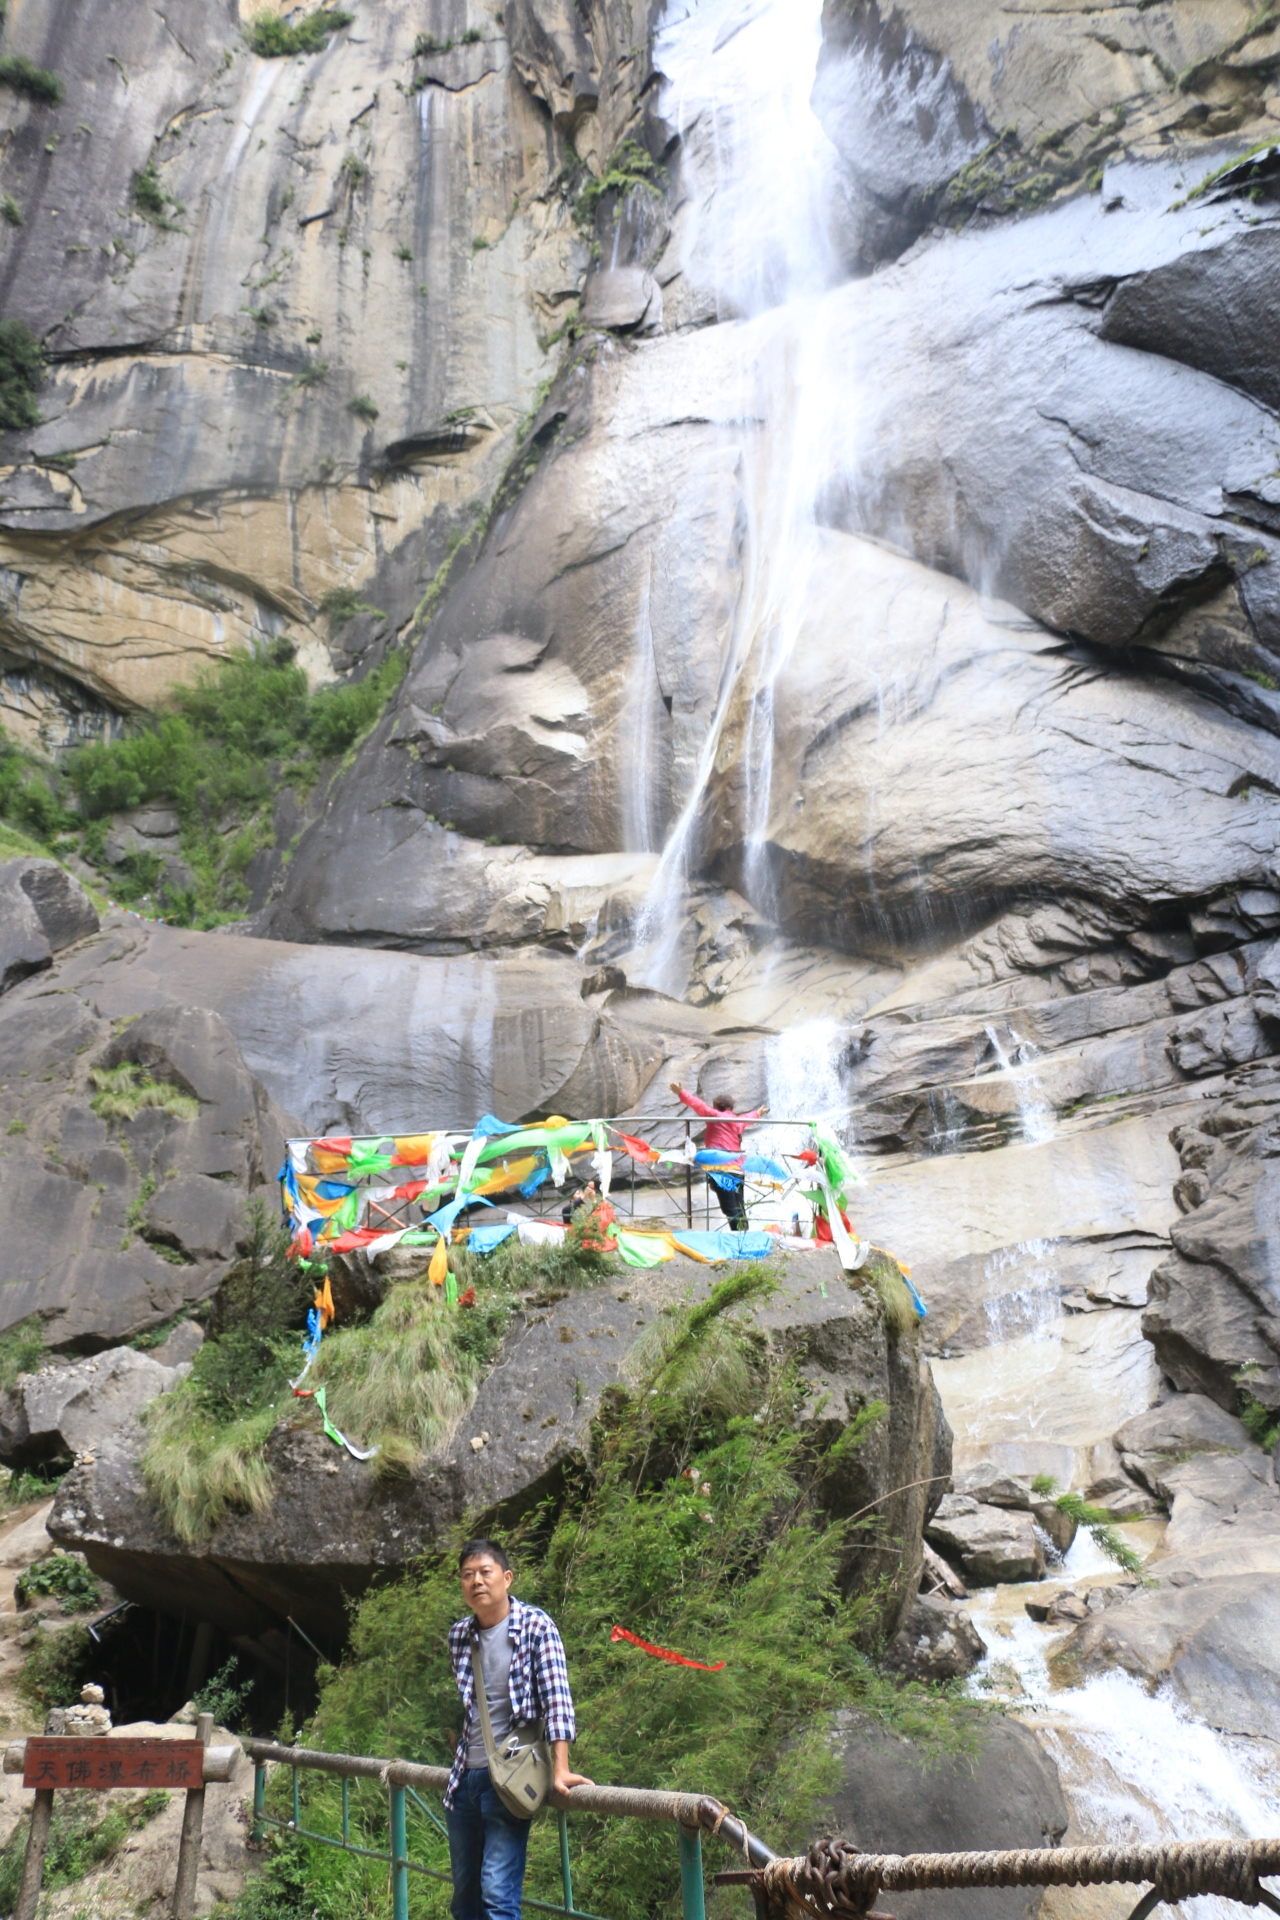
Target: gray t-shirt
495, 1664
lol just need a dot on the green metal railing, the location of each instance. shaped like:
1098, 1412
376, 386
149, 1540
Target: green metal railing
692, 1814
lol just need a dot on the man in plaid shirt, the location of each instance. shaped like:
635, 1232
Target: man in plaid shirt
525, 1679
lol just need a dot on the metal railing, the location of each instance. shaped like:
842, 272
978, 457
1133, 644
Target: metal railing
691, 1814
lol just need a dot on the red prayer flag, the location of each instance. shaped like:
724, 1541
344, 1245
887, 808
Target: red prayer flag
340, 1144
411, 1190
663, 1653
638, 1149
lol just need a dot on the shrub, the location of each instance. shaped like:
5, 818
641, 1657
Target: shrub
148, 195
64, 1576
222, 1697
78, 1840
21, 371
363, 408
54, 1669
11, 210
271, 38
22, 1350
339, 715
37, 83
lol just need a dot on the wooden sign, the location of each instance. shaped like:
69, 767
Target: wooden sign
102, 1762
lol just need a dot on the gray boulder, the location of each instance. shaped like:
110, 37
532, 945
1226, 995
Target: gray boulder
1215, 1642
72, 1409
1181, 1426
991, 1544
897, 1797
111, 1224
333, 1526
936, 1641
1213, 1307
43, 909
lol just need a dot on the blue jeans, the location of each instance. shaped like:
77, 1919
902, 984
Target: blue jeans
487, 1846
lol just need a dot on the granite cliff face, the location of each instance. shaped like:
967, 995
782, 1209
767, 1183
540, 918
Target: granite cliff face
858, 689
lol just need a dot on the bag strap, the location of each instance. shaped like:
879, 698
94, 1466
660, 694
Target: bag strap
482, 1702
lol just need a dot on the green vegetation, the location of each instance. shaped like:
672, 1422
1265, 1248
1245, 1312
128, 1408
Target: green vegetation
37, 83
697, 1524
149, 196
271, 38
1096, 1519
63, 1576
55, 1667
78, 1840
222, 1696
427, 43
124, 1091
363, 408
354, 170
1262, 1424
11, 211
21, 371
218, 755
1260, 148
629, 168
22, 1350
205, 1446
23, 1487
341, 604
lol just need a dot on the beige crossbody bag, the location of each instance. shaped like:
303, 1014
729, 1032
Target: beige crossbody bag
521, 1773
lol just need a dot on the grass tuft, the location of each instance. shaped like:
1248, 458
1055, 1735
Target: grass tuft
124, 1091
401, 1378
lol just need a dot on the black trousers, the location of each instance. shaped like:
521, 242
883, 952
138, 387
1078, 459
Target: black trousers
732, 1204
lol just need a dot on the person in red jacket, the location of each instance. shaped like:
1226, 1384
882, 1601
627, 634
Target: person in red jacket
723, 1135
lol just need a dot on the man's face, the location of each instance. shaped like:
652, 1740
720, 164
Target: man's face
485, 1584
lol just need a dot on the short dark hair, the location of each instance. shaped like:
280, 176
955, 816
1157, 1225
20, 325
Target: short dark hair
484, 1550
722, 1103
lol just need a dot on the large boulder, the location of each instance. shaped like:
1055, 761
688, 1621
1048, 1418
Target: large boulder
43, 908
990, 1544
1216, 1643
936, 1641
897, 1797
134, 1150
334, 1525
67, 1410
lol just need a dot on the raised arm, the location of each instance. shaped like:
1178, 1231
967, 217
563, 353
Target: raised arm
692, 1100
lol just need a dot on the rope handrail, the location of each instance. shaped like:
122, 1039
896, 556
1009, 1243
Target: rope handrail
836, 1879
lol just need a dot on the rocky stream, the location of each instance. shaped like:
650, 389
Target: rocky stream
821, 462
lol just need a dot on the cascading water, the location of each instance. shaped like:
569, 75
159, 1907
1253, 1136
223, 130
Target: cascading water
757, 228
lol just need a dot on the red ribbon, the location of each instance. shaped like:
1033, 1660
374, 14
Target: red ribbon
663, 1653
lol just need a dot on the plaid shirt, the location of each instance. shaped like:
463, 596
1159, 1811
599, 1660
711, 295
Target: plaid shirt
539, 1683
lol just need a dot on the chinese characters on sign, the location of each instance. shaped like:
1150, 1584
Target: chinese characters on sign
103, 1762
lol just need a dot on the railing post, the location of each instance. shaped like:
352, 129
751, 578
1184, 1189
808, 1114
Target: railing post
566, 1877
691, 1875
37, 1847
399, 1856
688, 1178
257, 1833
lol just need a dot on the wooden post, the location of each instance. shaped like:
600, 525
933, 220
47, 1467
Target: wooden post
37, 1847
184, 1886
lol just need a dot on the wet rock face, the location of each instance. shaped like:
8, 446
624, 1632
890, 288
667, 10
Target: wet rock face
114, 1220
532, 1420
1213, 1310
